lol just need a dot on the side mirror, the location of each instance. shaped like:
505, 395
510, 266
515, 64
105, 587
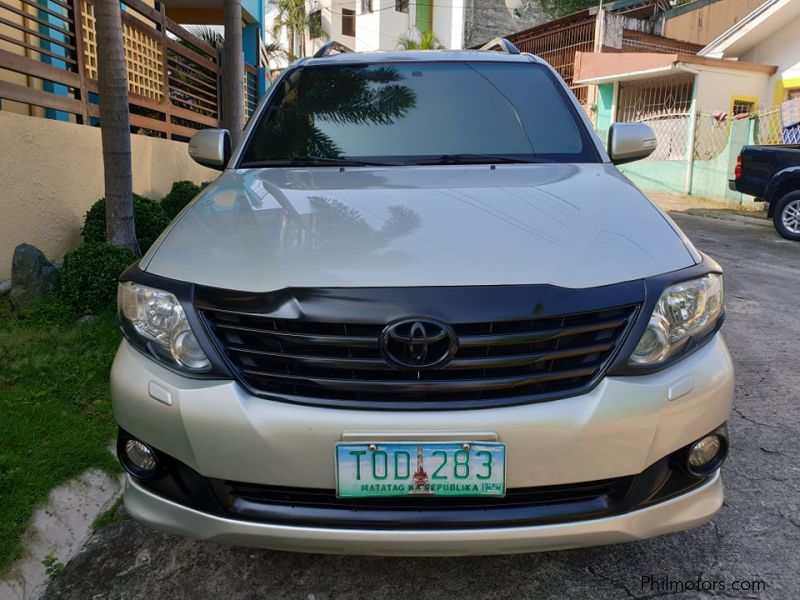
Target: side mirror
211, 148
630, 141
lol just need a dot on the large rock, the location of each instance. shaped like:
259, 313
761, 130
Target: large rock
32, 275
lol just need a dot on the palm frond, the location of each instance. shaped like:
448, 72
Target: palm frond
420, 41
209, 35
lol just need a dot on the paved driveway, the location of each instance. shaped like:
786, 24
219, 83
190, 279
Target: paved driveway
756, 536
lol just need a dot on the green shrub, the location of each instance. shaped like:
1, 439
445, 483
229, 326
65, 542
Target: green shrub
89, 276
148, 216
179, 196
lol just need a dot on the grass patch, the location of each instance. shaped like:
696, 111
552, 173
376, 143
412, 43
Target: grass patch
111, 516
55, 408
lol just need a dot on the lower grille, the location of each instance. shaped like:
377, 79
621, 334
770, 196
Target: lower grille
522, 360
520, 506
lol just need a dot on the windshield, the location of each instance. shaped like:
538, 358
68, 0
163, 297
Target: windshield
419, 113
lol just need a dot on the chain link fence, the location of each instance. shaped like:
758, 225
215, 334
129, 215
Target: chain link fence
695, 149
672, 131
711, 133
768, 127
672, 135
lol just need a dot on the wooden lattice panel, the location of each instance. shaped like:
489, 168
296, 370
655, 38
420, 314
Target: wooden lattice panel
143, 56
89, 40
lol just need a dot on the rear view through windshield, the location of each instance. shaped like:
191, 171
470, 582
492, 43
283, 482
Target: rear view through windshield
419, 113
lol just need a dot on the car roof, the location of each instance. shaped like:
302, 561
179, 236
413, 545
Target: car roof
395, 56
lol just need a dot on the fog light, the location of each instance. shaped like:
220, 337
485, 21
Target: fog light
139, 458
705, 455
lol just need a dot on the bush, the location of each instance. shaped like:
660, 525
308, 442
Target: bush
89, 276
180, 195
148, 215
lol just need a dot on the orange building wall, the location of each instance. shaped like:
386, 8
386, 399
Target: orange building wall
704, 24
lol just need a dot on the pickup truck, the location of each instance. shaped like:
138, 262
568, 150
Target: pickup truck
772, 174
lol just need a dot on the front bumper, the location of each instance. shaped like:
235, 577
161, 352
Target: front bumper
620, 428
689, 510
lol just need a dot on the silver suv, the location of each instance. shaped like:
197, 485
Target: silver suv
421, 312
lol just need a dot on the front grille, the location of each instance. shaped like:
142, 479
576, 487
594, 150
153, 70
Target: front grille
496, 362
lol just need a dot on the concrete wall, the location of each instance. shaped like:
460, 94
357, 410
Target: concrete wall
704, 20
380, 29
52, 172
709, 177
485, 20
333, 27
605, 105
716, 88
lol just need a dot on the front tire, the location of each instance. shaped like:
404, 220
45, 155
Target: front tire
786, 216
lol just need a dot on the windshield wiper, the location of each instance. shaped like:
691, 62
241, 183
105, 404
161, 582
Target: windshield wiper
317, 161
477, 159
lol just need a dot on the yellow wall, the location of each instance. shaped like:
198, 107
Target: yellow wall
704, 24
782, 86
52, 172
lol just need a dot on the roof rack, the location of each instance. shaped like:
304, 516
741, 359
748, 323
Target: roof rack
501, 44
330, 47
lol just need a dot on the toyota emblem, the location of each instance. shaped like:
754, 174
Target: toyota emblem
418, 343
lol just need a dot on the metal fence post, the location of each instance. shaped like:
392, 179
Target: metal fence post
690, 148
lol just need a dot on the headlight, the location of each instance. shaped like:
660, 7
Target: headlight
154, 320
684, 311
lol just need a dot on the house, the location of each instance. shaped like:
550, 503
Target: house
742, 87
628, 26
210, 12
48, 62
367, 25
771, 35
753, 65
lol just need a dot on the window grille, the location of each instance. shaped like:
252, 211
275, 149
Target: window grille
743, 107
664, 103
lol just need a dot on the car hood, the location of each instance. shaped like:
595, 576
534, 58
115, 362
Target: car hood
567, 225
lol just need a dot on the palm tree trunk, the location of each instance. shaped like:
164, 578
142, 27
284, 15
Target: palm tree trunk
302, 41
292, 49
233, 72
112, 83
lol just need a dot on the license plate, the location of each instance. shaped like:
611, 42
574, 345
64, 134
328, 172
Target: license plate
420, 469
